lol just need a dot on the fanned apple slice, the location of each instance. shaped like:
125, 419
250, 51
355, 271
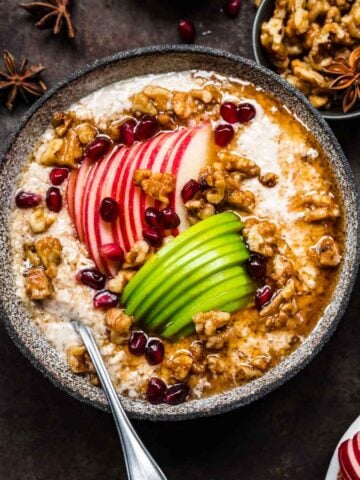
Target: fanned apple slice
350, 467
70, 193
79, 195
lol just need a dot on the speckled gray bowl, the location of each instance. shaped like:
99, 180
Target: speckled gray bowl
157, 60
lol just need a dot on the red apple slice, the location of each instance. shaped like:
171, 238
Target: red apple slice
356, 445
70, 193
79, 194
350, 467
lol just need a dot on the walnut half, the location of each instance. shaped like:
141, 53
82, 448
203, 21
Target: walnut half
37, 284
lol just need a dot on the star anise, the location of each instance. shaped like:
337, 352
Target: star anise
54, 14
21, 80
348, 78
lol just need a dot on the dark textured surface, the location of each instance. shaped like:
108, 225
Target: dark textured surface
289, 434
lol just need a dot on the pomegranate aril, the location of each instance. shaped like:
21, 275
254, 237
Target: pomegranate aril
127, 135
105, 299
92, 278
156, 390
170, 219
98, 148
245, 112
152, 236
27, 199
228, 112
54, 199
109, 209
153, 217
256, 266
189, 190
232, 7
187, 31
137, 342
146, 128
177, 393
263, 296
58, 175
223, 135
154, 351
112, 251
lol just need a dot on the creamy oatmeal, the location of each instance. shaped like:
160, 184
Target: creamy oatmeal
190, 220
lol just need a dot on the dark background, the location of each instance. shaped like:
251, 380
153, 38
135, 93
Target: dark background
290, 434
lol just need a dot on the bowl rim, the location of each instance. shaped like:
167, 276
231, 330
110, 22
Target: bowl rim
257, 47
239, 396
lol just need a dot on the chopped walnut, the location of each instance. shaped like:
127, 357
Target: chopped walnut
234, 162
269, 179
51, 156
283, 269
243, 200
86, 132
121, 279
167, 121
156, 185
180, 364
137, 256
260, 362
30, 253
215, 364
213, 176
199, 358
49, 250
62, 121
94, 379
37, 284
119, 325
326, 252
63, 151
199, 210
283, 296
261, 237
79, 359
159, 95
40, 220
183, 104
142, 103
213, 328
319, 206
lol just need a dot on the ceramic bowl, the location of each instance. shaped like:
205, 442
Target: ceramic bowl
264, 12
158, 60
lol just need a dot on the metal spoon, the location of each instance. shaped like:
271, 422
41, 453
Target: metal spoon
139, 463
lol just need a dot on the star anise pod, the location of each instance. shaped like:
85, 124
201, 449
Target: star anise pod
54, 14
348, 78
21, 80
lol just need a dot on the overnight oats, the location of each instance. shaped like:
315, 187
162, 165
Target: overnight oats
190, 220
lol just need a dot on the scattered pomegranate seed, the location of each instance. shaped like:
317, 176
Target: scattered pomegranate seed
228, 111
256, 266
176, 394
187, 31
91, 277
98, 148
232, 7
137, 342
152, 236
109, 209
54, 199
156, 390
245, 112
146, 128
170, 219
189, 190
27, 199
112, 251
105, 299
223, 135
58, 175
127, 132
153, 217
263, 296
154, 351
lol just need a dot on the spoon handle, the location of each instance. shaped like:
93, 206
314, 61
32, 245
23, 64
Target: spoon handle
140, 465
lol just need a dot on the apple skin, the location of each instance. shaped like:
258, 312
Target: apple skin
70, 193
348, 459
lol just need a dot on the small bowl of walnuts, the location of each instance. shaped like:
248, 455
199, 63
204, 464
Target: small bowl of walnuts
315, 46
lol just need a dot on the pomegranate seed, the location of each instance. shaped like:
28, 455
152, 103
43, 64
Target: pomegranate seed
223, 135
109, 209
27, 199
153, 217
112, 251
146, 128
98, 148
228, 112
127, 132
189, 190
245, 112
105, 299
232, 8
152, 236
256, 266
91, 278
176, 394
187, 31
54, 199
137, 342
170, 218
154, 351
263, 296
156, 390
58, 175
